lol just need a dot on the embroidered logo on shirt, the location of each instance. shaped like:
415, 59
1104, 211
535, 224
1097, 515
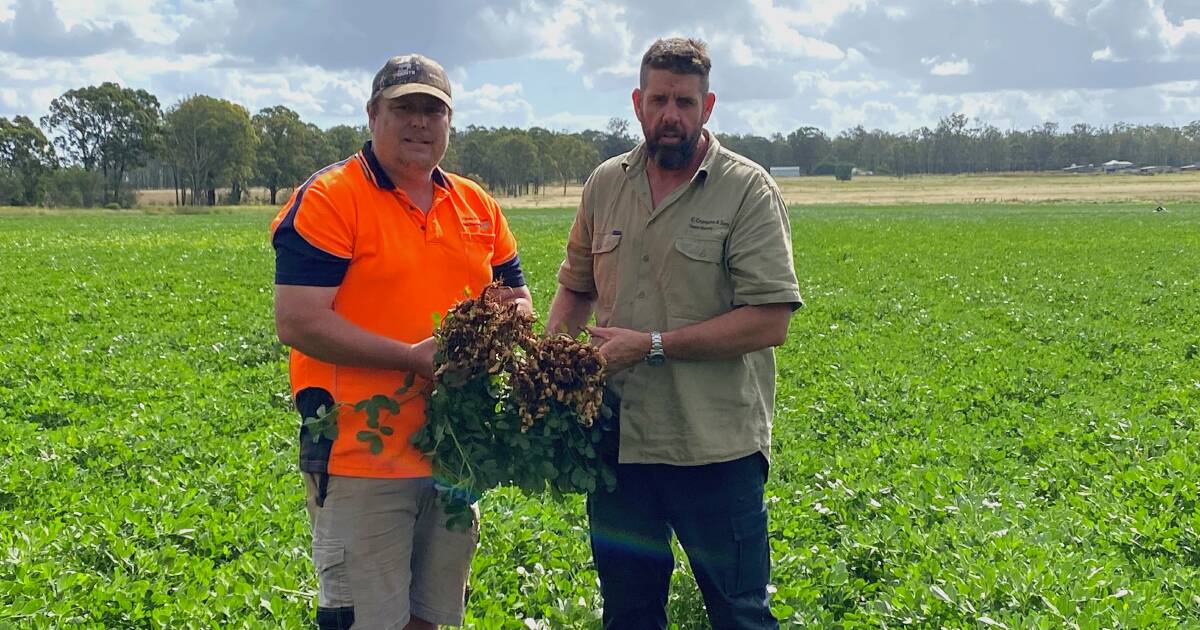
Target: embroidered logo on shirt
708, 225
477, 224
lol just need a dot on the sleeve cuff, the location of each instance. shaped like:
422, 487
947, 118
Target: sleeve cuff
297, 262
575, 283
783, 296
509, 273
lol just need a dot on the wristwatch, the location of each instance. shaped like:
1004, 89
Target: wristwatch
656, 355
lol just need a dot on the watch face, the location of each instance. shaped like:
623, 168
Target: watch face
656, 359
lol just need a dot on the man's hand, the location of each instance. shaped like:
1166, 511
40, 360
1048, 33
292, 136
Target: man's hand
422, 358
519, 295
621, 348
569, 312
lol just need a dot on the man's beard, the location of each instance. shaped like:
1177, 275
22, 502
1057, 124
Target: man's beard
676, 156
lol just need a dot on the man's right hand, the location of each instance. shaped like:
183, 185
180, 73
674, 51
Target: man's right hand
569, 312
422, 357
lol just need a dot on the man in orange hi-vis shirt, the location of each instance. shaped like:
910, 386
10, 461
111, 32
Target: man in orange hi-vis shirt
368, 251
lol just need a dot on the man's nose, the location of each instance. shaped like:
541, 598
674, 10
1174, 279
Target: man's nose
670, 114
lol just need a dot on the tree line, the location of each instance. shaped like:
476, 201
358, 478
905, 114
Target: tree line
98, 144
955, 145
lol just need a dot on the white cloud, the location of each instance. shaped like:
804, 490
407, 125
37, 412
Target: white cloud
951, 68
492, 105
573, 122
151, 20
938, 68
1178, 37
756, 117
826, 86
780, 29
815, 14
10, 99
778, 64
591, 37
743, 55
844, 115
1180, 87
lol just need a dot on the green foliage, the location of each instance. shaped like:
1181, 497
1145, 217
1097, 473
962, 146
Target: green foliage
342, 141
473, 436
287, 150
73, 187
211, 143
805, 146
983, 412
513, 161
843, 172
106, 128
25, 159
824, 168
497, 415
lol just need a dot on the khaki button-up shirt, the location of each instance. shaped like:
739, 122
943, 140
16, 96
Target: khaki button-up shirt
719, 242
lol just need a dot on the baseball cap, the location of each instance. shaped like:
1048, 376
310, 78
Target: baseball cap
411, 74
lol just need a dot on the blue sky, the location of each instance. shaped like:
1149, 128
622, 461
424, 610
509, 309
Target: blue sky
777, 64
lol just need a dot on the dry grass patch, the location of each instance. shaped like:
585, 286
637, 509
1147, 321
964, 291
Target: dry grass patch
984, 188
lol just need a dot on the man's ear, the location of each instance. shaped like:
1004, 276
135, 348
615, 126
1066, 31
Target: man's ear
637, 103
710, 100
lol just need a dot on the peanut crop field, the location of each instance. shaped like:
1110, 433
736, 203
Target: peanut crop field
988, 415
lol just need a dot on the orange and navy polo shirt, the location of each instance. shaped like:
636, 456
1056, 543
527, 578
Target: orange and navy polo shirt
395, 269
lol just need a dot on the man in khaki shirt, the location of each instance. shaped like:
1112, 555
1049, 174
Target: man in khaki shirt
682, 250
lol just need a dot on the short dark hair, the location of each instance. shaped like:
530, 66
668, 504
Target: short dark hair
679, 55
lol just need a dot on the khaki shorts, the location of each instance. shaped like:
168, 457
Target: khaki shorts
382, 553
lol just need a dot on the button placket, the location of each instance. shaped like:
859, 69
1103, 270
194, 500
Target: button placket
640, 276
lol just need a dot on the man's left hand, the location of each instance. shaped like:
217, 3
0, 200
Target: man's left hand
621, 348
519, 296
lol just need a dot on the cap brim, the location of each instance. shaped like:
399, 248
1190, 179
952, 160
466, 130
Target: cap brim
396, 91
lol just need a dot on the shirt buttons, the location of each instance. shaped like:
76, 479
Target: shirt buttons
645, 257
641, 294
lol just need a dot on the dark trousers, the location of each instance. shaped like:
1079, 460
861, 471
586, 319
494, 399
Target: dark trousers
718, 514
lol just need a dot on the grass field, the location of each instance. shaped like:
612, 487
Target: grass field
987, 415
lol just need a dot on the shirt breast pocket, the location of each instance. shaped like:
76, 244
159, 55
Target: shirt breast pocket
483, 238
605, 250
478, 248
696, 284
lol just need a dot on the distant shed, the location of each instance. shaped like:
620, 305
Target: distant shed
785, 171
1116, 166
